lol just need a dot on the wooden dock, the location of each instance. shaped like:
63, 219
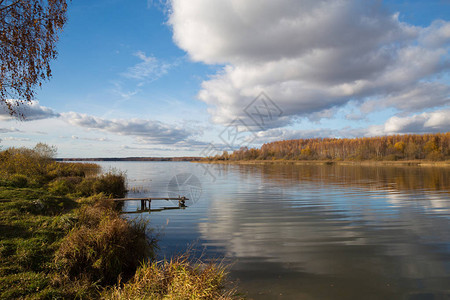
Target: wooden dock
147, 202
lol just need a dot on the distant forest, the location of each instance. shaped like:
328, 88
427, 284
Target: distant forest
132, 159
394, 147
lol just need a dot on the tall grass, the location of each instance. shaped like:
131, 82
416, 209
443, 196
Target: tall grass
111, 184
103, 247
178, 278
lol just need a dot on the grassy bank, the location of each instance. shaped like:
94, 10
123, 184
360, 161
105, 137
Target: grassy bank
60, 237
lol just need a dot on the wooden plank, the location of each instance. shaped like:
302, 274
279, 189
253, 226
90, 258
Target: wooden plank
150, 210
141, 211
149, 199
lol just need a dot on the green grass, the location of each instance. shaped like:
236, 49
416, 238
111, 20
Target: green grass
32, 224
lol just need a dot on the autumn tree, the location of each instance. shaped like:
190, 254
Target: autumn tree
410, 146
28, 35
45, 151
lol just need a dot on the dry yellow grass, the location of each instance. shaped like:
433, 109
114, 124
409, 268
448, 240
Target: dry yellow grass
176, 279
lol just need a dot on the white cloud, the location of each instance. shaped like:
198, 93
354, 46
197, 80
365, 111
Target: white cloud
146, 131
189, 145
418, 97
149, 69
428, 122
41, 132
102, 139
311, 56
119, 90
29, 111
280, 134
436, 35
15, 139
9, 130
436, 121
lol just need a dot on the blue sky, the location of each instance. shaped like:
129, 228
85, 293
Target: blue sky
174, 78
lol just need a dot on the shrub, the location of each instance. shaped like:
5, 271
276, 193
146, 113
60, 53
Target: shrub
110, 184
23, 161
59, 169
37, 164
85, 187
63, 186
18, 180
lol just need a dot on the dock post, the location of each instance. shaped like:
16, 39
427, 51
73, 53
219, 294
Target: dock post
181, 201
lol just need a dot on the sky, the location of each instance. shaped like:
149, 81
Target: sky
197, 77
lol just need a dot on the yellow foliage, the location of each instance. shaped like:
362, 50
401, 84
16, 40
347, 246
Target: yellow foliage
400, 146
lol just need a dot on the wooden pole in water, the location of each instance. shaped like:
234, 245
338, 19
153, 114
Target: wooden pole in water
182, 202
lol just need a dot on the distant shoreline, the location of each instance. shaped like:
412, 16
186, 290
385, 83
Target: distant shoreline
414, 163
184, 158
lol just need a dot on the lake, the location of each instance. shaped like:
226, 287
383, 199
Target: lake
306, 232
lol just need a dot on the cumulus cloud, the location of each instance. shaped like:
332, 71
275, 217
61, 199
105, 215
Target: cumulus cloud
146, 131
418, 97
428, 122
279, 134
311, 56
30, 111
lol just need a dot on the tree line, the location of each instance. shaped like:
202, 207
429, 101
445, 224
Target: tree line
394, 147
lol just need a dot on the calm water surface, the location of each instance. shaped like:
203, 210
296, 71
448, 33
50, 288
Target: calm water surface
309, 232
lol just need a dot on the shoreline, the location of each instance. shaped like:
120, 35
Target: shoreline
62, 236
407, 163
